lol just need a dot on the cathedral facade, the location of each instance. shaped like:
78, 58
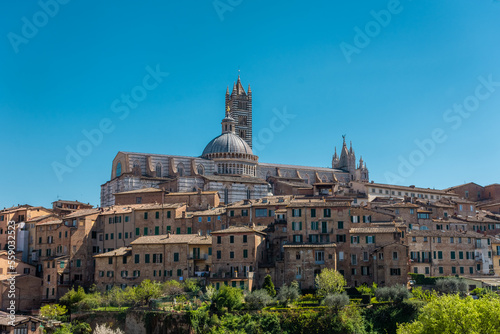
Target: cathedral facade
227, 165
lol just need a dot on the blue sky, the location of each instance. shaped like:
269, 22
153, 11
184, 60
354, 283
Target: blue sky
407, 70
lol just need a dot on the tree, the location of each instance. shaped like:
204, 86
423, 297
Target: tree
257, 299
396, 293
74, 328
337, 301
53, 311
72, 298
449, 314
228, 298
269, 286
288, 294
451, 285
172, 288
329, 281
148, 290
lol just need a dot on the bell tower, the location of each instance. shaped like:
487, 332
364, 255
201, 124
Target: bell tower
240, 104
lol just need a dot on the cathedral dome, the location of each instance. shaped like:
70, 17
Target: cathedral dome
227, 143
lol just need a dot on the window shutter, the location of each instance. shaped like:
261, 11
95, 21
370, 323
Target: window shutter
373, 238
352, 239
364, 219
366, 239
300, 226
352, 219
300, 212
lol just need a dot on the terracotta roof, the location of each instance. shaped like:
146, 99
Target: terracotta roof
239, 229
446, 233
70, 202
363, 230
210, 212
192, 239
318, 203
308, 245
408, 189
82, 212
35, 219
139, 191
117, 252
52, 222
263, 202
5, 319
400, 205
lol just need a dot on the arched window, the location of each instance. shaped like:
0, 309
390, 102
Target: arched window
118, 169
200, 170
180, 169
158, 170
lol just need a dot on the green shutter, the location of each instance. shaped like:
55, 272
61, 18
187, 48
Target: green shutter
137, 232
157, 230
300, 226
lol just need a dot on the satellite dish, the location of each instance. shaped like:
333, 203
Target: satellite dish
21, 225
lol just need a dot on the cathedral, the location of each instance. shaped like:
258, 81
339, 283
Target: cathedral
227, 165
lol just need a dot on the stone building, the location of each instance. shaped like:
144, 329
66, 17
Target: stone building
156, 257
228, 165
63, 207
378, 254
449, 253
302, 262
237, 251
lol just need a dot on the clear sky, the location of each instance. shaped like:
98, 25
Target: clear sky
387, 74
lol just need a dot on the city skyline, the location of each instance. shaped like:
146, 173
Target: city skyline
394, 91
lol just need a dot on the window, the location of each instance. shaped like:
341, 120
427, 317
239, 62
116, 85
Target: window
341, 237
313, 213
219, 239
245, 238
178, 230
355, 239
231, 239
296, 212
394, 255
365, 256
296, 226
145, 231
245, 253
157, 230
452, 255
145, 215
176, 257
340, 225
189, 230
440, 255
260, 212
118, 171
244, 213
168, 214
314, 226
179, 272
136, 258
354, 259
327, 213
412, 211
297, 238
79, 262
219, 254
453, 270
370, 239
231, 213
460, 255
137, 232
324, 227
231, 255
146, 258
395, 272
110, 260
319, 257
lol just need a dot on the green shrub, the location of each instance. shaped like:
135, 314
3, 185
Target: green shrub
257, 299
336, 301
395, 293
269, 286
451, 285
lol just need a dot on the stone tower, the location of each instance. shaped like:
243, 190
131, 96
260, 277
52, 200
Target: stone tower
347, 162
240, 104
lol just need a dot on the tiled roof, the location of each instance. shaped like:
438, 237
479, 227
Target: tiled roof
70, 202
82, 212
239, 229
297, 203
51, 222
409, 189
400, 205
139, 191
364, 230
117, 252
210, 212
36, 219
445, 233
192, 239
263, 202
